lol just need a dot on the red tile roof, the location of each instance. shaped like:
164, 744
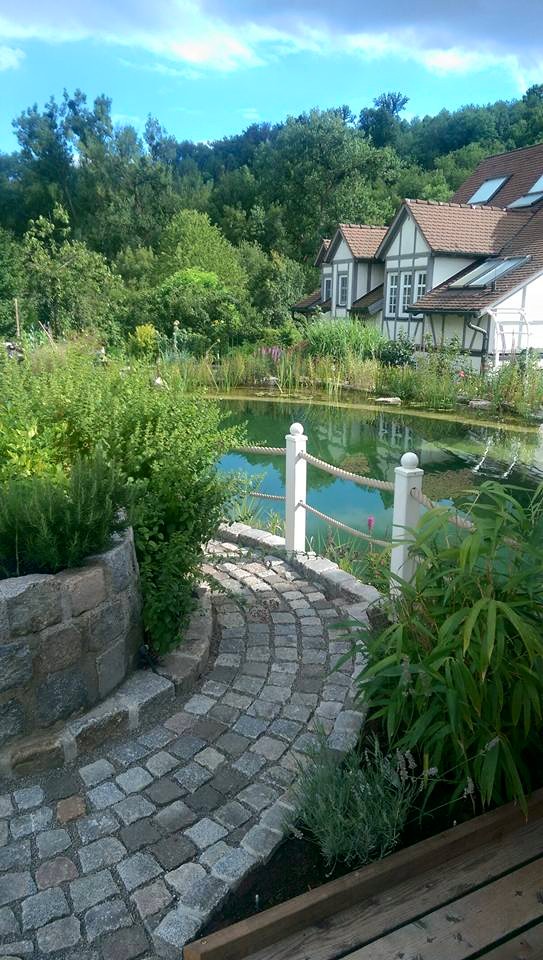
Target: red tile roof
528, 241
311, 302
462, 228
362, 239
521, 167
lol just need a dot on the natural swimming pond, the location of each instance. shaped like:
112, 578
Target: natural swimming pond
455, 455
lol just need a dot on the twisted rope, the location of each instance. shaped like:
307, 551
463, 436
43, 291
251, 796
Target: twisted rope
343, 526
347, 475
266, 496
271, 450
432, 505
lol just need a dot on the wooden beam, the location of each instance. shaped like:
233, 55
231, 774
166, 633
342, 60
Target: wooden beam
255, 933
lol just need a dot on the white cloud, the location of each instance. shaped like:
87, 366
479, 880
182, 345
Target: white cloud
250, 114
190, 37
10, 58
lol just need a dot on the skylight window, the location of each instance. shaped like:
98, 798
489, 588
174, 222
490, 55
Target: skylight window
534, 194
487, 272
486, 191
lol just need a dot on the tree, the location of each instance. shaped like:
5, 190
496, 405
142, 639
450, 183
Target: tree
381, 123
205, 311
191, 240
10, 282
68, 287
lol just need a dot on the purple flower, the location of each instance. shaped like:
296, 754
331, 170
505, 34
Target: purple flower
371, 522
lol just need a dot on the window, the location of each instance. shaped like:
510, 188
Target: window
327, 288
392, 295
486, 191
487, 272
420, 285
407, 288
342, 283
534, 194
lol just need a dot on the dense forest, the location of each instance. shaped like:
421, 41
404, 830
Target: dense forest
103, 229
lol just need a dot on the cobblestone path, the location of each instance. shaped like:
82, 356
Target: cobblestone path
128, 855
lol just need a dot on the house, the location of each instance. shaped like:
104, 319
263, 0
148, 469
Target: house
470, 269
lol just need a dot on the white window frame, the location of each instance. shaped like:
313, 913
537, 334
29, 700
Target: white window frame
327, 288
393, 283
420, 284
406, 292
342, 296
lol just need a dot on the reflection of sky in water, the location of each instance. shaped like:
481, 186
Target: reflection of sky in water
455, 456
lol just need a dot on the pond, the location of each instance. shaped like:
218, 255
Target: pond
455, 456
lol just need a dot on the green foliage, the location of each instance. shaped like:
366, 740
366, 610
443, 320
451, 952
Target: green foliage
191, 240
61, 403
144, 342
340, 338
10, 282
48, 524
200, 304
357, 808
457, 677
397, 353
68, 287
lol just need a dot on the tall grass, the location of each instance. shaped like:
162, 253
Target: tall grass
340, 338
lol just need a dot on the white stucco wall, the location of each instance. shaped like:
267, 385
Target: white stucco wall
445, 267
519, 320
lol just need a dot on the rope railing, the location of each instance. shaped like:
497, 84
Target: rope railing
421, 498
273, 451
343, 526
346, 474
266, 496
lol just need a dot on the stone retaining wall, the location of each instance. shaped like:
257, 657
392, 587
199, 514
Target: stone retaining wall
67, 640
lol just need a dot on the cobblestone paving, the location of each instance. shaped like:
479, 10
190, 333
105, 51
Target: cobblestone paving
128, 855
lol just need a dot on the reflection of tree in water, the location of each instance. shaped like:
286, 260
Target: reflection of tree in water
371, 443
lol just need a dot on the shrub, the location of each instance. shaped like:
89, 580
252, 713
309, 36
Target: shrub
144, 342
49, 524
457, 677
338, 338
354, 809
59, 404
397, 353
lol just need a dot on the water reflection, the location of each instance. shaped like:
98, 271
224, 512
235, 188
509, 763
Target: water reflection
454, 455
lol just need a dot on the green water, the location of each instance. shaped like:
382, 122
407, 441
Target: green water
454, 455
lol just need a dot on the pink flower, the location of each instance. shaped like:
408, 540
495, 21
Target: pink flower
371, 523
461, 373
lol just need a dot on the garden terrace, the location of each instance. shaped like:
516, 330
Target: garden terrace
128, 849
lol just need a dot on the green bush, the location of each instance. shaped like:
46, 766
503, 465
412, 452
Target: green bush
457, 677
60, 403
355, 809
339, 338
397, 353
49, 524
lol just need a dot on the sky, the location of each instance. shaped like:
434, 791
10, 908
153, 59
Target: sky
209, 68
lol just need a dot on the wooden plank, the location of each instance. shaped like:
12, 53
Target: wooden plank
469, 925
352, 928
239, 940
526, 946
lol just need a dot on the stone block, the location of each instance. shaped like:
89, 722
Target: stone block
100, 854
105, 795
43, 907
15, 855
138, 869
111, 667
234, 866
15, 886
151, 899
171, 852
28, 797
60, 695
95, 772
40, 752
205, 832
29, 823
96, 826
99, 724
176, 929
33, 603
51, 842
125, 944
105, 918
15, 665
88, 891
82, 589
71, 808
55, 872
139, 834
8, 922
59, 935
12, 951
204, 896
59, 647
119, 563
144, 690
134, 808
104, 624
12, 720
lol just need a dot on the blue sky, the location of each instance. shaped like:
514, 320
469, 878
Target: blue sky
211, 67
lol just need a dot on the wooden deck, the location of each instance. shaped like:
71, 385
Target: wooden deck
473, 891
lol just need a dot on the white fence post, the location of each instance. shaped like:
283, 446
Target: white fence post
295, 489
406, 515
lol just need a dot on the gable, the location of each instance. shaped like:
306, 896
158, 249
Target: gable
403, 236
